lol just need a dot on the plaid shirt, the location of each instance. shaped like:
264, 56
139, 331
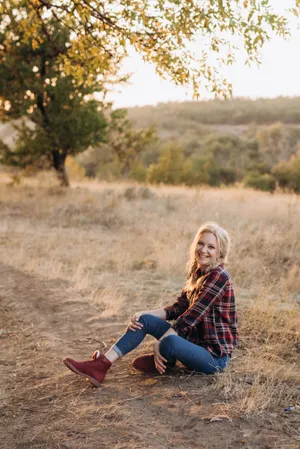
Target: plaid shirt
207, 315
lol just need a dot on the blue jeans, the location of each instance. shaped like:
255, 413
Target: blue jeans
172, 347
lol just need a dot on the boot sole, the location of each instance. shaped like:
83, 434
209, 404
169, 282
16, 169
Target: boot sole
76, 371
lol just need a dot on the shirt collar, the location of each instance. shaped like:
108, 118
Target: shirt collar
200, 272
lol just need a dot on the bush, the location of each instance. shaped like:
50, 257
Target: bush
260, 181
196, 171
170, 167
74, 169
138, 172
287, 174
207, 170
220, 175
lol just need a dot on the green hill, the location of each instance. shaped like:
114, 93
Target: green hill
180, 116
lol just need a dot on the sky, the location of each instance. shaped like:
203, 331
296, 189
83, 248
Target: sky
278, 74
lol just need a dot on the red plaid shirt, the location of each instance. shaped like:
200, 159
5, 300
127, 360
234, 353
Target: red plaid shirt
207, 315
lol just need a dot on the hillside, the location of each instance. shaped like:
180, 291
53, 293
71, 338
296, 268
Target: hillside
216, 142
239, 112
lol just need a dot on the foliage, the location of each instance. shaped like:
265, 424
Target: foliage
74, 170
170, 168
119, 155
191, 117
259, 181
174, 168
125, 141
229, 152
65, 119
162, 31
287, 173
258, 154
198, 171
138, 172
277, 143
216, 159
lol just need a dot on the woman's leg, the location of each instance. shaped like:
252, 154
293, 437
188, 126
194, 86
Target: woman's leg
194, 357
131, 339
95, 370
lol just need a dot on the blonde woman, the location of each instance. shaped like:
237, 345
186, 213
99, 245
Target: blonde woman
204, 332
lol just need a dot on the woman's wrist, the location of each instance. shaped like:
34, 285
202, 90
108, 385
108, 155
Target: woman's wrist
159, 313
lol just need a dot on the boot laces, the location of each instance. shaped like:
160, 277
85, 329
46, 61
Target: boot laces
96, 355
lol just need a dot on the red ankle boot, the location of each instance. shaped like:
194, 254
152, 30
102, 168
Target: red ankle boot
95, 370
146, 364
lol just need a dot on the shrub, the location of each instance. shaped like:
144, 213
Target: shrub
138, 172
260, 181
287, 174
169, 169
207, 170
196, 171
74, 169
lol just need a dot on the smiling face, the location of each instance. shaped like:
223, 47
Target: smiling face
207, 249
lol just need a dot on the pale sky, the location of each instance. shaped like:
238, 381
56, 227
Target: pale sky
279, 74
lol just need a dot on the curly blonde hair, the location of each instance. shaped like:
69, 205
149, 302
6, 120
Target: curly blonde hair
223, 245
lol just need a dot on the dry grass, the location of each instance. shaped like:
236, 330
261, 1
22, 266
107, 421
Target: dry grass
123, 248
267, 375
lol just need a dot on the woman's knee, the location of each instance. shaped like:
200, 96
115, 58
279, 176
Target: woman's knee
145, 319
150, 322
169, 342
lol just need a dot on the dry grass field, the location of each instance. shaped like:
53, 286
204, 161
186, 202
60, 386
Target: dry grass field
76, 264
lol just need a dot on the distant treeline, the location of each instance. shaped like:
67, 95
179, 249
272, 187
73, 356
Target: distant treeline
239, 111
263, 157
256, 143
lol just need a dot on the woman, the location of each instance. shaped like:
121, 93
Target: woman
205, 330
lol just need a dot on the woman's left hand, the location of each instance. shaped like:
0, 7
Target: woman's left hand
159, 360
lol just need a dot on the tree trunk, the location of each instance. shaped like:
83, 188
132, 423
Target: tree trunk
58, 157
125, 169
59, 160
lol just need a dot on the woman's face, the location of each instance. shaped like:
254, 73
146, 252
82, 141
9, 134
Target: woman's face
207, 249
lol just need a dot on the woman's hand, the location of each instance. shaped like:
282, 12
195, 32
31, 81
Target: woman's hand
159, 360
134, 323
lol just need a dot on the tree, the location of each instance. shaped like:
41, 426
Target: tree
122, 148
160, 30
87, 40
126, 142
65, 119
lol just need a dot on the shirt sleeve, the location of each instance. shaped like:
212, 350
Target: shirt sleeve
181, 305
210, 293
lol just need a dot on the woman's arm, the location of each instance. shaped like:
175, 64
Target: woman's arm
210, 293
159, 313
167, 313
159, 360
180, 305
134, 320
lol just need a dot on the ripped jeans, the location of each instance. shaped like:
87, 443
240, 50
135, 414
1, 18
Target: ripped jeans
172, 347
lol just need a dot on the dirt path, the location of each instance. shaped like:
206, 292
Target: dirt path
43, 405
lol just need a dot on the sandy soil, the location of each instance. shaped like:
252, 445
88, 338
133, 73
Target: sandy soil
43, 405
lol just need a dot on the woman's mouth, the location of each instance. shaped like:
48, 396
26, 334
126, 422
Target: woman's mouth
202, 256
